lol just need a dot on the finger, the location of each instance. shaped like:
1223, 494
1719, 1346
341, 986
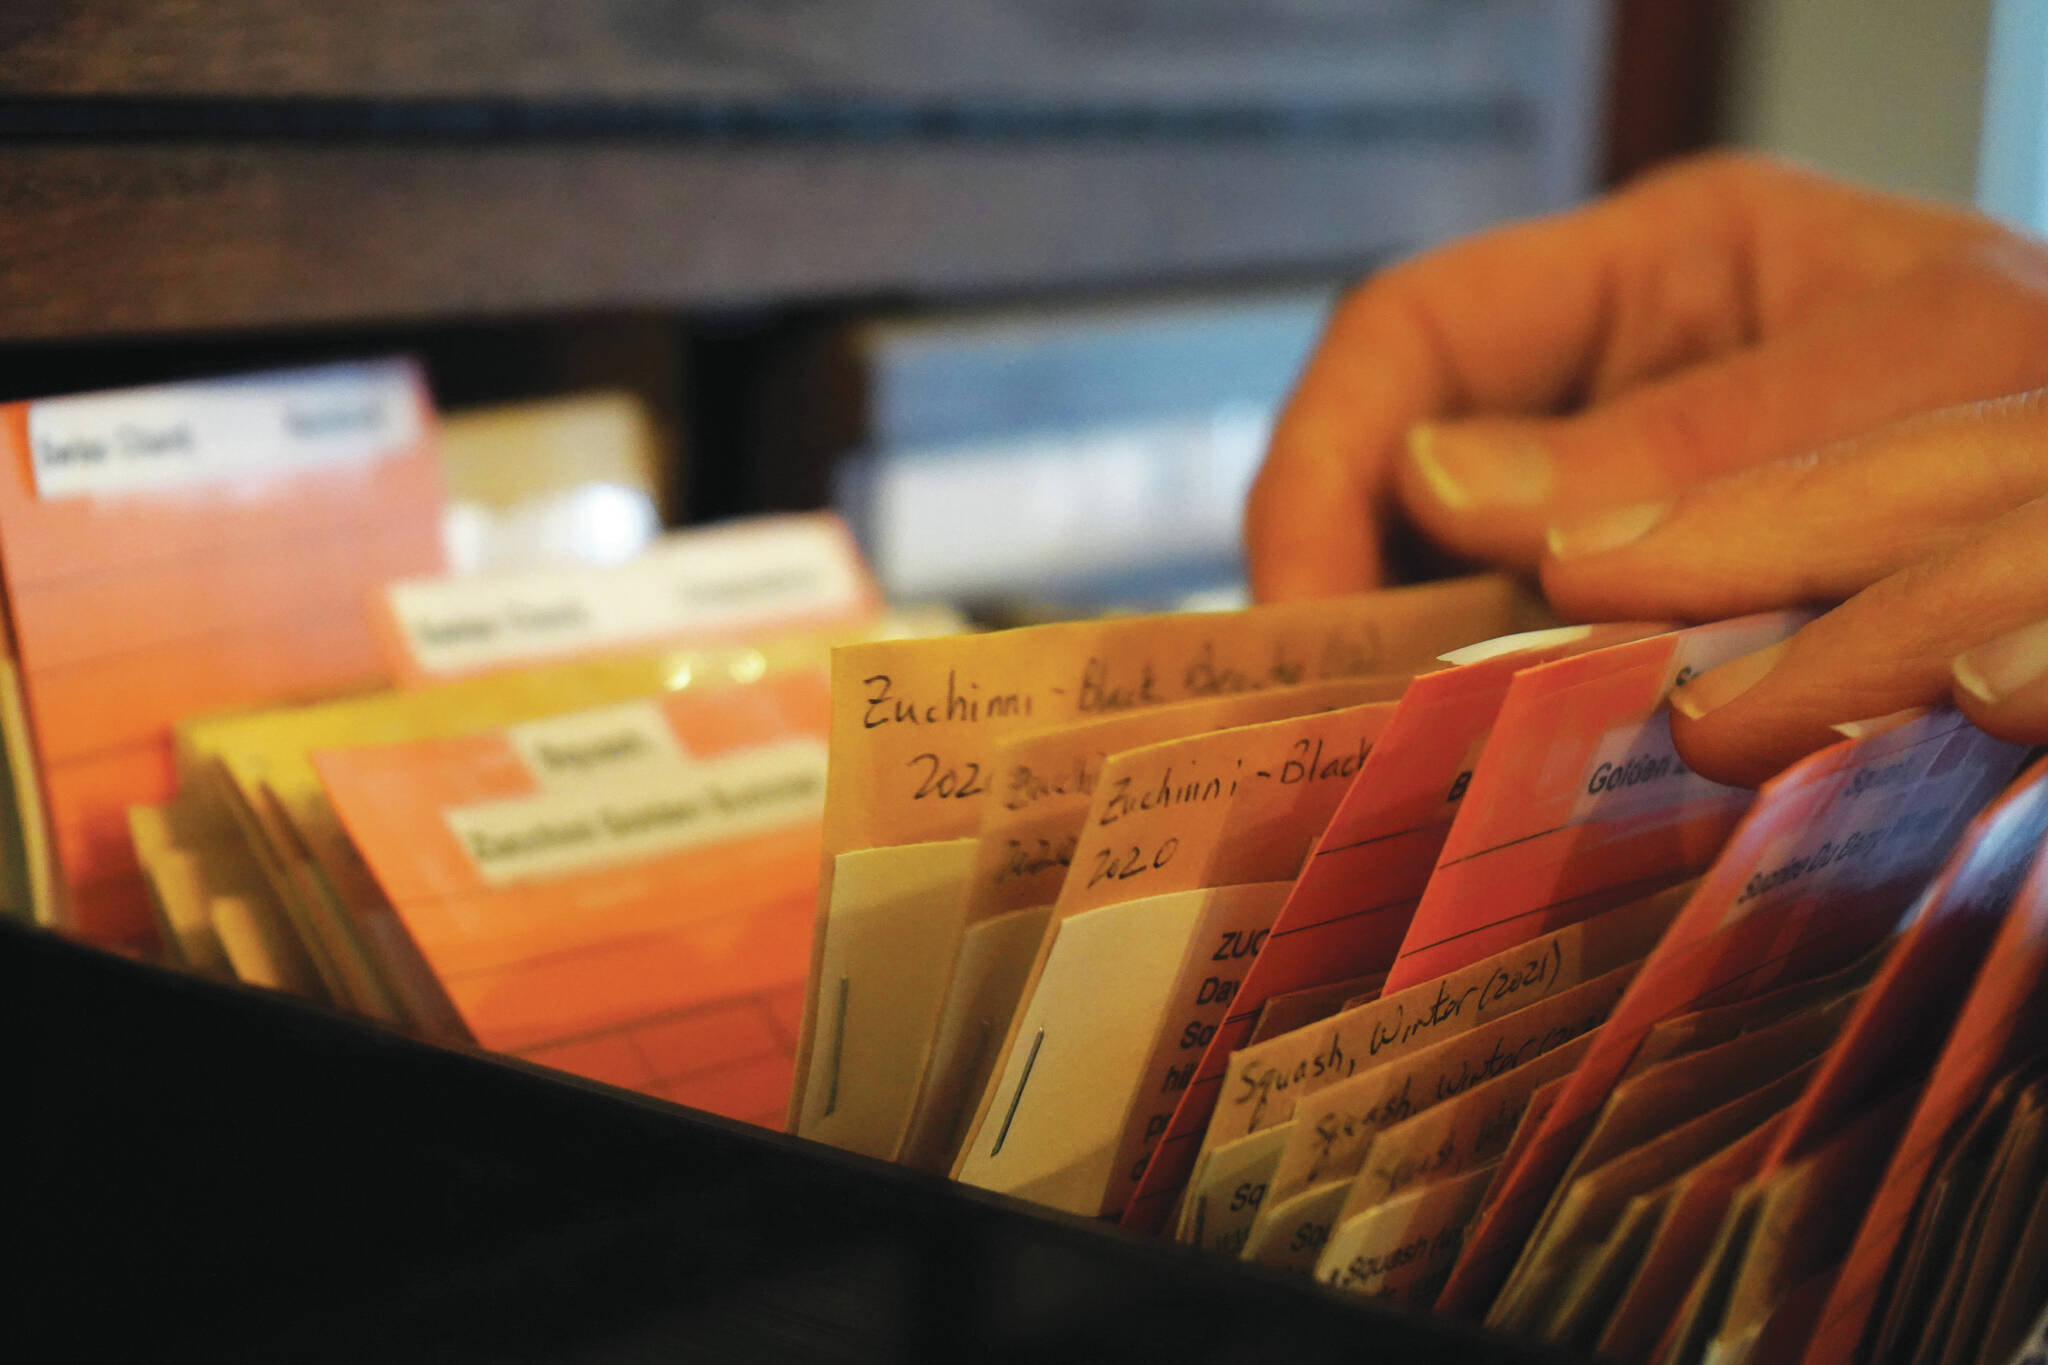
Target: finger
1538, 316
2002, 684
1888, 648
1810, 530
1966, 328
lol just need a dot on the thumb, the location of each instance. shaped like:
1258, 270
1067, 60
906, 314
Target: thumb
2002, 684
1927, 534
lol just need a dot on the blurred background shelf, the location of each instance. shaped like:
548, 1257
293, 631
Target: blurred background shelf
709, 204
170, 168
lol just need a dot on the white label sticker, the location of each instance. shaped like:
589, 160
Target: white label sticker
177, 435
599, 824
1635, 770
616, 743
705, 582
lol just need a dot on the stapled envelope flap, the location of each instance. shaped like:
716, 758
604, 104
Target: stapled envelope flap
895, 928
1052, 1119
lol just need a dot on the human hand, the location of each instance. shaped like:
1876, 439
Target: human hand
1719, 318
1932, 534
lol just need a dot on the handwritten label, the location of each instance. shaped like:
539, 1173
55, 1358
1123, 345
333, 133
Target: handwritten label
1403, 1250
570, 829
178, 435
1334, 1128
1264, 1082
1042, 782
1227, 807
956, 698
1466, 1131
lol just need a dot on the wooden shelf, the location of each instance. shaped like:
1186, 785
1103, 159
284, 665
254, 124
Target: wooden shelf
100, 240
1171, 54
290, 164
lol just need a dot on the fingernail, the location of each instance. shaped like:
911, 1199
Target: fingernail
1599, 532
1998, 668
1717, 688
1877, 725
1479, 469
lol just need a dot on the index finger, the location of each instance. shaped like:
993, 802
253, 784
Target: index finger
1541, 316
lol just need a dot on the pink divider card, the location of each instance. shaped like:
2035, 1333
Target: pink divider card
1351, 904
1579, 801
1904, 1015
2004, 1019
1819, 872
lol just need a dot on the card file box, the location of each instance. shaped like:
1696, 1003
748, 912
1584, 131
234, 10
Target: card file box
214, 1172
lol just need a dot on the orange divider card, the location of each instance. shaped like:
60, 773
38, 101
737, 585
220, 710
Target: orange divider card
2004, 1019
1221, 809
194, 547
624, 892
913, 721
738, 581
1817, 873
254, 765
1351, 904
1579, 799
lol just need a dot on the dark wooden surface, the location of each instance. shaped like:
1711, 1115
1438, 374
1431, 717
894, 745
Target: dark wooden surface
1171, 52
169, 167
100, 240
